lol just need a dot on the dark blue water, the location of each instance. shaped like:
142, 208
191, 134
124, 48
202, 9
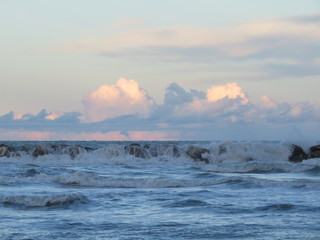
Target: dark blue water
106, 193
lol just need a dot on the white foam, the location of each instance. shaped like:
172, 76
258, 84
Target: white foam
93, 180
299, 183
227, 156
41, 177
261, 167
238, 152
111, 151
41, 201
312, 162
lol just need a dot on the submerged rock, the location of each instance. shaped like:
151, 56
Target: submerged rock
164, 150
73, 151
175, 151
40, 150
222, 149
58, 147
315, 151
138, 151
297, 155
6, 151
196, 153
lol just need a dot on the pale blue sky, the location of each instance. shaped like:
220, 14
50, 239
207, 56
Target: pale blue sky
54, 52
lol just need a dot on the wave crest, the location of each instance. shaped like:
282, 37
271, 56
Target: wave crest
42, 201
242, 157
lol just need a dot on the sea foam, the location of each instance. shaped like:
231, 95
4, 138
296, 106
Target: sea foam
41, 200
227, 156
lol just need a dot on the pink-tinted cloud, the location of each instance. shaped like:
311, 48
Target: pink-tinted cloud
215, 101
119, 136
53, 116
126, 112
230, 90
18, 116
110, 101
153, 135
23, 135
268, 102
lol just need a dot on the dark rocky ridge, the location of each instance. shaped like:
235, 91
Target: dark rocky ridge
138, 151
197, 153
144, 151
315, 151
297, 154
40, 150
6, 151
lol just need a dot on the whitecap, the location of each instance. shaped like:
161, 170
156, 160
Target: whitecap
41, 200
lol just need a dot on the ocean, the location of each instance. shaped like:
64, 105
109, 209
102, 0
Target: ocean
157, 190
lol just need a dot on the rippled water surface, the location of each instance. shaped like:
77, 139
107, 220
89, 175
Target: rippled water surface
99, 195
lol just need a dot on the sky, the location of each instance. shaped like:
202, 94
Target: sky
159, 70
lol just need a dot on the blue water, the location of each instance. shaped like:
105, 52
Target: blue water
104, 194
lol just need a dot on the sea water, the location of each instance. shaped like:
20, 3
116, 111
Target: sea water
157, 190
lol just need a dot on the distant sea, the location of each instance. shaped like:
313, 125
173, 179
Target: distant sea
157, 190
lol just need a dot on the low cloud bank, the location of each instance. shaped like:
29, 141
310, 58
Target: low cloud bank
124, 111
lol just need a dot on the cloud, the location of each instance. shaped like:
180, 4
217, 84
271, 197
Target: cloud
218, 102
230, 90
176, 95
124, 111
315, 18
24, 135
267, 102
53, 116
295, 39
187, 42
110, 101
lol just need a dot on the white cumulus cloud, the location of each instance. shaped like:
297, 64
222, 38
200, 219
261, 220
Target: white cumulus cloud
110, 101
217, 102
230, 90
124, 111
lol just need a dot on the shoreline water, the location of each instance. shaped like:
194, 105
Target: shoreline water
158, 190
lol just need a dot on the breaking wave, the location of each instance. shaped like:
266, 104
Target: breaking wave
240, 157
92, 180
41, 201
